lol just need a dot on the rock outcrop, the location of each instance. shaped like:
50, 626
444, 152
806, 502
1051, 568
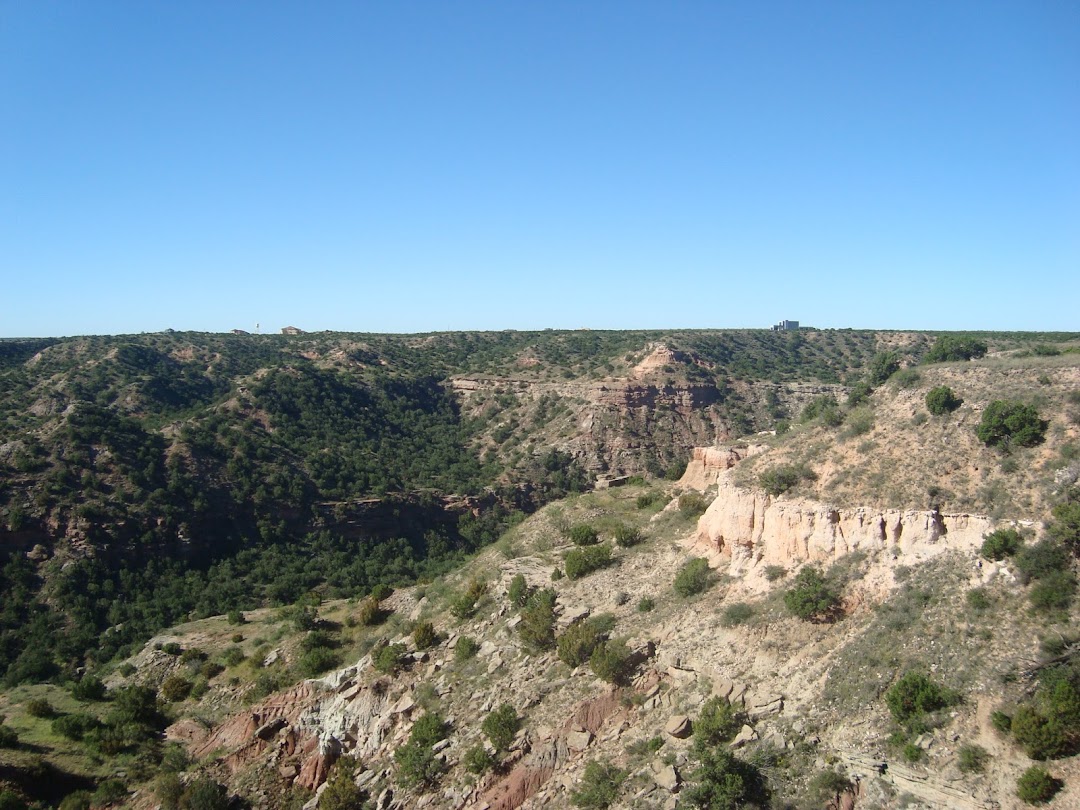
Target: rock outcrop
743, 528
707, 464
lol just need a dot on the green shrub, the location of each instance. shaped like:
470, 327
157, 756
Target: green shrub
501, 726
341, 791
693, 577
465, 648
1059, 695
1041, 560
583, 535
859, 421
647, 499
859, 394
172, 648
1011, 424
779, 480
692, 505
9, 738
319, 660
267, 683
1054, 592
388, 658
775, 572
464, 604
724, 782
577, 642
1065, 527
424, 635
381, 591
1001, 721
736, 614
91, 688
232, 656
611, 661
175, 688
369, 612
417, 763
40, 707
942, 400
477, 760
580, 562
519, 591
914, 695
135, 704
826, 786
193, 656
1051, 727
912, 753
1001, 543
537, 625
77, 800
824, 409
627, 536
882, 366
429, 729
954, 347
906, 378
972, 759
978, 599
1037, 786
304, 618
599, 786
75, 726
718, 722
110, 791
199, 687
645, 604
236, 617
316, 639
168, 789
811, 597
205, 794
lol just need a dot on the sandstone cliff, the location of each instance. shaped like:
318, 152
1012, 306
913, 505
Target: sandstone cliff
708, 464
745, 528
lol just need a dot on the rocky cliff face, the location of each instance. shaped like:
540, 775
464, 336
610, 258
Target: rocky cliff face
745, 528
627, 425
616, 425
708, 464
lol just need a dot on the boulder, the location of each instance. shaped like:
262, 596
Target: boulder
746, 734
578, 740
679, 727
667, 778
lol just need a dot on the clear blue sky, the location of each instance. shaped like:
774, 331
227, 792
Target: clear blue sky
418, 166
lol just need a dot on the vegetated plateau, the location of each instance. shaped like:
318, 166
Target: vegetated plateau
628, 569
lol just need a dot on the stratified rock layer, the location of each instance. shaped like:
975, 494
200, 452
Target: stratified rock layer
745, 528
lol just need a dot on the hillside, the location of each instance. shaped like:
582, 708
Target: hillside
890, 503
150, 469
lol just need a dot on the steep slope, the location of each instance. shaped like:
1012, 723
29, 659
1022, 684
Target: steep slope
149, 468
811, 693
